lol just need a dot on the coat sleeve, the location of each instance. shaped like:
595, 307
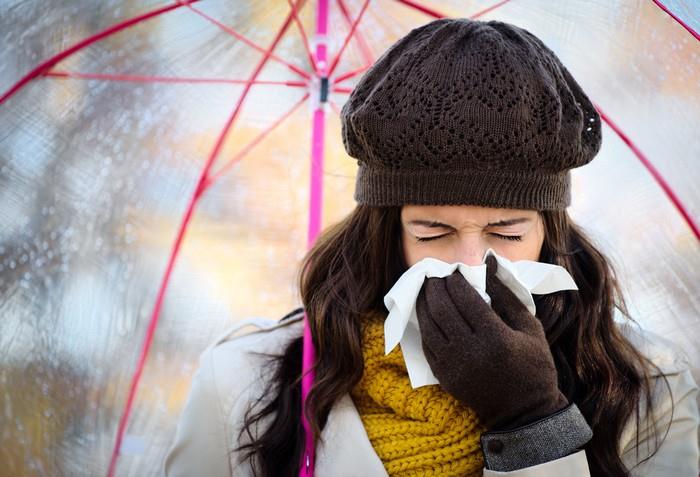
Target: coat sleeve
201, 441
677, 455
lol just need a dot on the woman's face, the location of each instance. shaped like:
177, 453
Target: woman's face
463, 233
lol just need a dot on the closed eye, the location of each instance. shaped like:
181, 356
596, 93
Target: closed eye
426, 239
509, 237
503, 237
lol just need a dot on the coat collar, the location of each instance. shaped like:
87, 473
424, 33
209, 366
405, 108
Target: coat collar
345, 448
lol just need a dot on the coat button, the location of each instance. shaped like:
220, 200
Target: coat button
495, 445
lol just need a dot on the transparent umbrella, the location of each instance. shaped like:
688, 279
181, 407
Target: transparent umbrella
155, 187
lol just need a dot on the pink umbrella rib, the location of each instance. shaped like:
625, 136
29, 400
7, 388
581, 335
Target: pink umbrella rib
164, 79
239, 36
350, 74
653, 171
253, 143
489, 9
422, 8
677, 18
176, 247
364, 48
335, 61
48, 64
305, 40
335, 107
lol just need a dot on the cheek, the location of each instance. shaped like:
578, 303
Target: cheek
528, 249
525, 250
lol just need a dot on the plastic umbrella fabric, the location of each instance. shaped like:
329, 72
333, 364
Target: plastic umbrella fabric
155, 186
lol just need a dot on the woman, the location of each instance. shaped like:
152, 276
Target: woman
464, 132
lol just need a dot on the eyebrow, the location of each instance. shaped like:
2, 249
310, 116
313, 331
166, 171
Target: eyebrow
500, 223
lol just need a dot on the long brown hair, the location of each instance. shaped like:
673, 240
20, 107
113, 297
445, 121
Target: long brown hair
355, 262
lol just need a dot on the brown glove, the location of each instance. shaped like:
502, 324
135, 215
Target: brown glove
495, 361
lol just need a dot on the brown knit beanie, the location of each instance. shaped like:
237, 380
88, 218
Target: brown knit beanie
460, 111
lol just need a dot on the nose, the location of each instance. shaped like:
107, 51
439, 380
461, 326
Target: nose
470, 251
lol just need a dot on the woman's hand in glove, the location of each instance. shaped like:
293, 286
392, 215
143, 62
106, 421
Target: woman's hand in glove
495, 361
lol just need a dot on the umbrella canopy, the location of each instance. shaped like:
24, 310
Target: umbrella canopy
156, 186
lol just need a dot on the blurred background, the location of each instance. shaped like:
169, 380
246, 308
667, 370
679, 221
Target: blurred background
96, 172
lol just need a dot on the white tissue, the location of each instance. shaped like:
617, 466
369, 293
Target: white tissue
523, 277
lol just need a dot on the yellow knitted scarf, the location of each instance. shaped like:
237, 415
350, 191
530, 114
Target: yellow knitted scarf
422, 431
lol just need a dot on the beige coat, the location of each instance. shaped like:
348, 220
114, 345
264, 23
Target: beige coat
229, 378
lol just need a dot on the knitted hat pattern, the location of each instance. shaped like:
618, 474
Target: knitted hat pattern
462, 111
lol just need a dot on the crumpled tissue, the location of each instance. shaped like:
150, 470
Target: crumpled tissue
523, 277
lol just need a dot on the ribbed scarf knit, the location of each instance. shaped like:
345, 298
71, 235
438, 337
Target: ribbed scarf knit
415, 432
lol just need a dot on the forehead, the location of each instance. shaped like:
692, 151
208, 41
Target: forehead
456, 214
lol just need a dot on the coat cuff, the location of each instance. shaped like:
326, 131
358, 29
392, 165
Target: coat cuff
549, 438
